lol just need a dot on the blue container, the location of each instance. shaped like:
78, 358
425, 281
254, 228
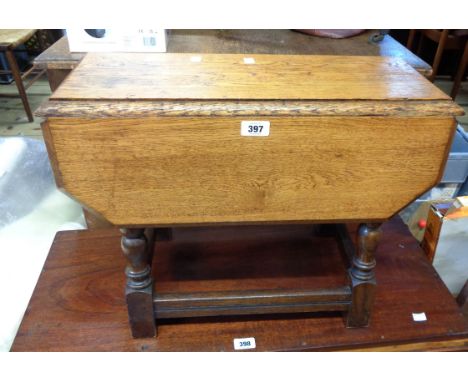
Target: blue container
456, 170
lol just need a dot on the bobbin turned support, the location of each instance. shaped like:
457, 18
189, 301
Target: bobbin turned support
362, 275
139, 286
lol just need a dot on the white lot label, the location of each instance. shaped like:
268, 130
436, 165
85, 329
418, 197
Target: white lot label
418, 317
244, 343
255, 128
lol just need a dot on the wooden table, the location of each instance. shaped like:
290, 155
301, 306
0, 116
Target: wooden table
78, 304
162, 140
59, 61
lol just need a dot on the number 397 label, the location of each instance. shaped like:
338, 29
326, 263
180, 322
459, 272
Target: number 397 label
244, 343
255, 128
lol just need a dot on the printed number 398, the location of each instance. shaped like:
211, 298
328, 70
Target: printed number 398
244, 343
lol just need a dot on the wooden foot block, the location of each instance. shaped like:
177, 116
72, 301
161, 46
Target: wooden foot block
140, 312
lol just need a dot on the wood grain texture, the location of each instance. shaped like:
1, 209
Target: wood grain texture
230, 303
270, 41
78, 304
167, 171
143, 109
56, 77
11, 38
453, 345
283, 41
159, 76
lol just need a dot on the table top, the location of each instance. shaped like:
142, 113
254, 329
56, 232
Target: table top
276, 41
79, 303
11, 38
179, 76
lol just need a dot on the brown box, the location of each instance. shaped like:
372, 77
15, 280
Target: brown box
445, 241
433, 226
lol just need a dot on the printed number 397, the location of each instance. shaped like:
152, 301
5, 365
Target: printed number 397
255, 129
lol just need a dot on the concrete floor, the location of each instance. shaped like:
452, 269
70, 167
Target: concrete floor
26, 239
13, 120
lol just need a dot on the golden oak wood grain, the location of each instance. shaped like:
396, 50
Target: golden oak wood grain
135, 109
270, 41
156, 76
167, 171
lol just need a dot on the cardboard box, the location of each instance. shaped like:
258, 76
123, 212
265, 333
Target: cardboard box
117, 40
445, 241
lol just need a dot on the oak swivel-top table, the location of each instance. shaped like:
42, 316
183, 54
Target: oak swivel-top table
153, 141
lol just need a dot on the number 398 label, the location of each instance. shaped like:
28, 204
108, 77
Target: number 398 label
255, 128
244, 343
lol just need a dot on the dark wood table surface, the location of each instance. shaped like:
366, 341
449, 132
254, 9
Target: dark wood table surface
275, 41
78, 304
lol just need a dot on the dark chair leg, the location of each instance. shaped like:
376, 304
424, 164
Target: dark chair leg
362, 276
420, 43
460, 73
15, 71
438, 55
139, 289
410, 42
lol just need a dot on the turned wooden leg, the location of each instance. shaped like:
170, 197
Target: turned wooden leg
139, 288
362, 276
16, 72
